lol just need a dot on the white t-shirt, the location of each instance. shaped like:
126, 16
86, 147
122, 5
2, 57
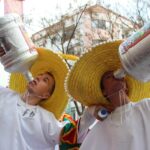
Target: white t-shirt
127, 128
26, 127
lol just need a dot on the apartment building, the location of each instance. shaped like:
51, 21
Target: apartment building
83, 28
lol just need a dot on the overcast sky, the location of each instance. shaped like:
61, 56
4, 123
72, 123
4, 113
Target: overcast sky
52, 8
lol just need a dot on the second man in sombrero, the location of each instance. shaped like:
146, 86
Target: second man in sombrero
91, 81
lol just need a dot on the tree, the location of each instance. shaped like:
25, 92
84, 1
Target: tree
141, 12
138, 13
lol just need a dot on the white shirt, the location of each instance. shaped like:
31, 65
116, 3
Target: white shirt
127, 128
26, 127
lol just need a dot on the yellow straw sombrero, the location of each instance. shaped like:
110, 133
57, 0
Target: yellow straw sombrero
83, 81
47, 61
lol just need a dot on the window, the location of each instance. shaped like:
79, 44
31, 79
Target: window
75, 49
108, 25
68, 33
55, 39
96, 23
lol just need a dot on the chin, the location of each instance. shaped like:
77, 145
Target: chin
29, 89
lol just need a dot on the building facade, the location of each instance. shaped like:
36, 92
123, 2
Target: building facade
82, 29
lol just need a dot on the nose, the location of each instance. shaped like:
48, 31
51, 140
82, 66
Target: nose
37, 78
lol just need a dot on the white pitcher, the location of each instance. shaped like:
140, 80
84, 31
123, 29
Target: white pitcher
135, 55
17, 51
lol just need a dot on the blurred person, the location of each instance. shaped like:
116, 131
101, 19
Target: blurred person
91, 81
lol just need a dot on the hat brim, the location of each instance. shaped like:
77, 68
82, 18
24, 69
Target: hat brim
47, 61
83, 81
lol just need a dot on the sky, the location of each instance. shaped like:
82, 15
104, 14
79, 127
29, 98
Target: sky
4, 77
52, 8
49, 9
42, 8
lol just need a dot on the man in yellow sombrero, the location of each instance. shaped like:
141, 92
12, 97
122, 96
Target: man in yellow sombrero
29, 120
91, 81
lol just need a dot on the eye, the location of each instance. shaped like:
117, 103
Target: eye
46, 80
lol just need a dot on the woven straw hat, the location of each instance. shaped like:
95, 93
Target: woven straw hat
83, 81
47, 61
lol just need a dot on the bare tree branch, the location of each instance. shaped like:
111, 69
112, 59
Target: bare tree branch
77, 108
78, 20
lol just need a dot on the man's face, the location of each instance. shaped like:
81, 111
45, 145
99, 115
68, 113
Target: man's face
111, 85
42, 86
